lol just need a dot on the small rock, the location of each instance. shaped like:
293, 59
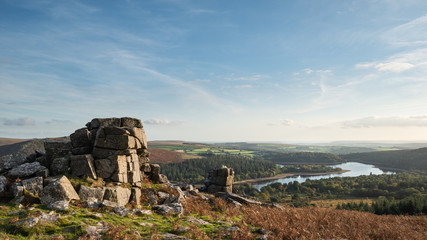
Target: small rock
170, 236
16, 212
142, 212
174, 208
121, 211
58, 205
49, 217
198, 221
145, 224
31, 222
182, 229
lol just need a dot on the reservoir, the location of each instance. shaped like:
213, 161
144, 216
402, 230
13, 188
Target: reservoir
354, 169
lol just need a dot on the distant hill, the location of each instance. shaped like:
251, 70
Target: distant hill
8, 141
21, 149
404, 159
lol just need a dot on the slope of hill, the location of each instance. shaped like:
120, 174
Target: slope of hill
24, 148
8, 141
166, 156
404, 159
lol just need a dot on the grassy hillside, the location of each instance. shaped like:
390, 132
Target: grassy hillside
24, 148
404, 159
221, 221
8, 141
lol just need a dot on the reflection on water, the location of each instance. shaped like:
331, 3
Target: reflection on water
355, 169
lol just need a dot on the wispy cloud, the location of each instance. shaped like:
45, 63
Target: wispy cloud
255, 77
162, 122
411, 33
18, 121
391, 66
243, 86
393, 121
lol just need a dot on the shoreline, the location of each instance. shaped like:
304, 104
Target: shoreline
286, 175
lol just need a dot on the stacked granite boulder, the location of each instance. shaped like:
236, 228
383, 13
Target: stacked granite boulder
114, 149
220, 180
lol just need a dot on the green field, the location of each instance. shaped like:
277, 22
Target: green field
203, 150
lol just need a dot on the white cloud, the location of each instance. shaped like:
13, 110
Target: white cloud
157, 122
286, 122
162, 122
394, 66
393, 121
308, 71
243, 86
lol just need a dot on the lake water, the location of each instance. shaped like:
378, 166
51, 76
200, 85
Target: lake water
354, 169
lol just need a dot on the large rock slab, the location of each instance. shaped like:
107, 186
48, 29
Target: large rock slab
173, 208
56, 149
58, 190
26, 170
116, 196
83, 165
8, 162
114, 167
116, 142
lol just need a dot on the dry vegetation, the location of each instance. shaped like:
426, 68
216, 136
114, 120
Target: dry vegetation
166, 156
313, 223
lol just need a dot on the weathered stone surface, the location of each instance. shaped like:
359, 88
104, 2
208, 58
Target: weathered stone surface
237, 198
81, 150
102, 122
81, 138
59, 166
136, 195
170, 236
151, 197
139, 134
86, 193
116, 196
3, 183
100, 153
25, 170
116, 142
83, 165
131, 122
173, 208
56, 149
8, 162
115, 131
220, 180
58, 190
58, 205
33, 185
17, 189
122, 211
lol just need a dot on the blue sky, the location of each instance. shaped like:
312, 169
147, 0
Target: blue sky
290, 71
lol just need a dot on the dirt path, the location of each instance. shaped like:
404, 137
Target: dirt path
284, 175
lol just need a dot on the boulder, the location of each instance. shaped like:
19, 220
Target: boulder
101, 153
220, 180
116, 142
82, 165
25, 170
59, 166
116, 196
102, 122
173, 208
3, 183
114, 167
17, 189
135, 195
81, 138
58, 190
33, 185
139, 134
8, 162
131, 122
86, 193
58, 205
56, 149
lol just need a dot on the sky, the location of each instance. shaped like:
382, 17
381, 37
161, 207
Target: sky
215, 71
